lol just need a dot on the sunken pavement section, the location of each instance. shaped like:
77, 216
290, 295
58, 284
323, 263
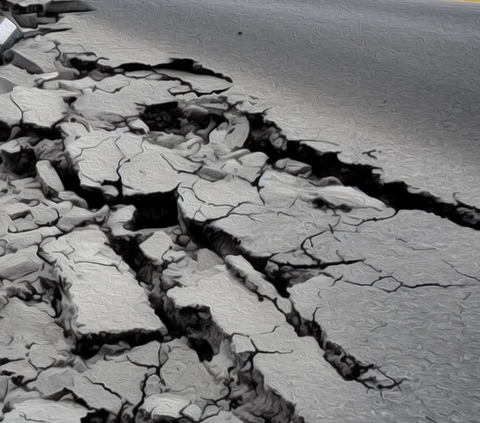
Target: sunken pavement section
166, 256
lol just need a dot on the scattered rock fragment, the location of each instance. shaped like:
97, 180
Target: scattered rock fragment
48, 178
293, 167
162, 407
156, 246
21, 263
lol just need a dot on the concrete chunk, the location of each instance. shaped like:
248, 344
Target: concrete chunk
21, 263
162, 407
156, 246
48, 178
103, 295
44, 411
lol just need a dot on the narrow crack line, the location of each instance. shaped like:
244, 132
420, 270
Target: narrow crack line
436, 285
460, 273
104, 386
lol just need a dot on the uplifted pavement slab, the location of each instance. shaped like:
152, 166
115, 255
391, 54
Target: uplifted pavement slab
422, 337
183, 374
101, 298
44, 411
30, 332
283, 362
412, 249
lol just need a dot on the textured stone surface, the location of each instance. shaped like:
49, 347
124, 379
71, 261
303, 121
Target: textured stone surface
296, 285
40, 410
99, 281
48, 178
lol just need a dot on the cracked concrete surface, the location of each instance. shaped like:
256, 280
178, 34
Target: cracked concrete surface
168, 256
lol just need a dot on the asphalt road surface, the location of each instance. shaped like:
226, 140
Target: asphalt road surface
397, 77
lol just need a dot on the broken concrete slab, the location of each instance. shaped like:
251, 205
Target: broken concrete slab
41, 108
18, 76
155, 247
206, 200
48, 178
112, 371
55, 380
36, 56
385, 328
183, 374
161, 407
103, 108
412, 255
78, 216
257, 282
96, 156
20, 263
45, 411
156, 170
24, 326
233, 308
96, 282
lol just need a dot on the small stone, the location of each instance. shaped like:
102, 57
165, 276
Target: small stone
48, 178
183, 240
293, 167
110, 192
41, 108
155, 247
